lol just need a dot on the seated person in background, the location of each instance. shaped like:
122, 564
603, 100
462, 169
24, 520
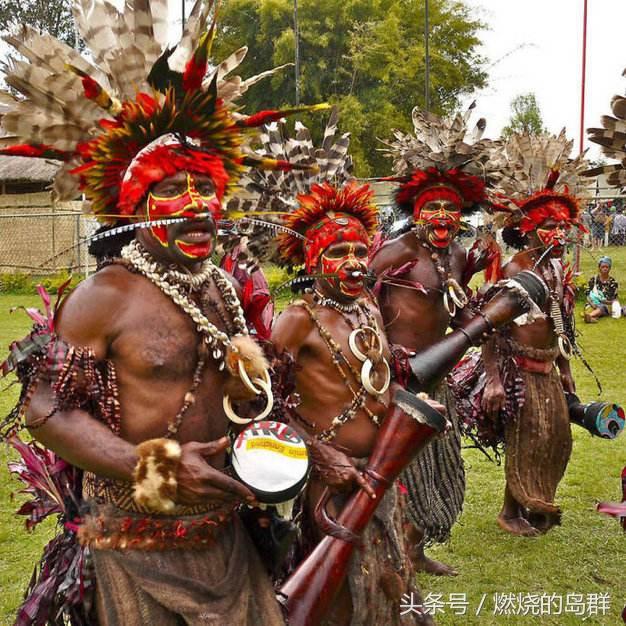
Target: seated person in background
601, 292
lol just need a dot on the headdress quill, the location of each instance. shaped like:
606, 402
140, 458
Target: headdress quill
291, 203
442, 153
106, 116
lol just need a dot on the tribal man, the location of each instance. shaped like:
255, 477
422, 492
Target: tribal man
425, 274
334, 334
131, 380
526, 365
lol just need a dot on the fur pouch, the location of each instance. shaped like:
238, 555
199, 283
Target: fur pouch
155, 474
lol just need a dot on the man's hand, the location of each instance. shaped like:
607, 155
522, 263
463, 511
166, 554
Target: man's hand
434, 404
568, 383
494, 397
336, 470
199, 483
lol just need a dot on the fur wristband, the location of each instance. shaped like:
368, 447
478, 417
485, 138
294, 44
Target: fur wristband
155, 474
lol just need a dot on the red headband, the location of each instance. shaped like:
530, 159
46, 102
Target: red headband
548, 205
167, 160
332, 228
469, 189
439, 192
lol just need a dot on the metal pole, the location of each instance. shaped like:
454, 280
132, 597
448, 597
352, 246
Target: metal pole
583, 80
296, 31
426, 58
582, 116
183, 15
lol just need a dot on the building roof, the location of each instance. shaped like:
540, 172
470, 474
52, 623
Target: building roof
27, 170
24, 169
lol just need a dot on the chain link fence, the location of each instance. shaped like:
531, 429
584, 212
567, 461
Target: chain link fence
40, 237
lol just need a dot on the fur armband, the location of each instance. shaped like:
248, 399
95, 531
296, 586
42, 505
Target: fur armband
155, 474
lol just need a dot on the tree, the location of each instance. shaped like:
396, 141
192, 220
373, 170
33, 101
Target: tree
50, 16
525, 117
365, 55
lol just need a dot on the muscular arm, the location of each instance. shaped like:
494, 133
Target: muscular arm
86, 320
291, 330
494, 396
80, 439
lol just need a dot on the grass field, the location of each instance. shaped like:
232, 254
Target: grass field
586, 555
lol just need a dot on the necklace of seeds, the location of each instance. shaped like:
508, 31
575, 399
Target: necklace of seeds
365, 318
210, 303
454, 297
443, 270
566, 348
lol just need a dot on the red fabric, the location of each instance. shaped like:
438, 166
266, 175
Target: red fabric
256, 300
155, 165
532, 365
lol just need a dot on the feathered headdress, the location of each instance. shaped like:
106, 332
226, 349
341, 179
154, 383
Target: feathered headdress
537, 180
442, 155
612, 138
138, 112
305, 209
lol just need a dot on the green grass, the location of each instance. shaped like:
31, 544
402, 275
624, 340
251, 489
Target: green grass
19, 550
587, 554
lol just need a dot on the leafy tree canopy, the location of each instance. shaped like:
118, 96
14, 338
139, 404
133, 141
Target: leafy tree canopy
365, 55
525, 116
50, 16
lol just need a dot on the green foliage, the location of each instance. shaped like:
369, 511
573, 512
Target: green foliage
367, 56
580, 282
25, 284
50, 16
525, 116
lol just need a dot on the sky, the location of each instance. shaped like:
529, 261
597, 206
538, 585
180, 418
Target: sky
536, 46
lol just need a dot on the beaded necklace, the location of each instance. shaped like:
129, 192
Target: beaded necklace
454, 297
169, 280
342, 363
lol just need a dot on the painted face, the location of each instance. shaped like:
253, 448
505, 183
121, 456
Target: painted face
345, 258
440, 221
185, 195
552, 233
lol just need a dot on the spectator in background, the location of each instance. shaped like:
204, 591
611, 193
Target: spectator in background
618, 231
598, 226
601, 292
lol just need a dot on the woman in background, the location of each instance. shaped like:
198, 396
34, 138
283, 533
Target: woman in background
601, 292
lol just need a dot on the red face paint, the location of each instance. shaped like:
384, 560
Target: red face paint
553, 236
335, 227
438, 212
346, 260
193, 243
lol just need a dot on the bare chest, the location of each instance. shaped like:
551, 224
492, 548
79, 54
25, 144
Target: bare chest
159, 339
